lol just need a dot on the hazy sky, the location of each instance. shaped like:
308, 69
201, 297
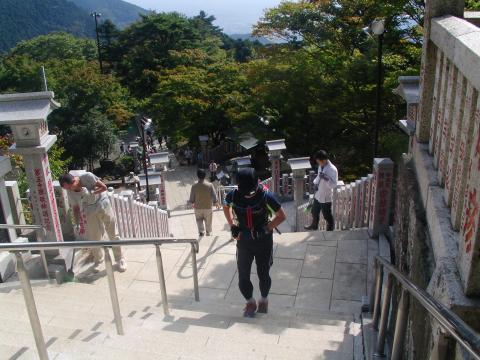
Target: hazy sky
234, 16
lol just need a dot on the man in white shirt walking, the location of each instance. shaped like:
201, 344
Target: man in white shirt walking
326, 181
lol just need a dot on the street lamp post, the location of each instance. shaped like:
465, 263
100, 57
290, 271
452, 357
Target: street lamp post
96, 15
142, 123
378, 29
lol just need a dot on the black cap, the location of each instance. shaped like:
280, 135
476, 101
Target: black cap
247, 180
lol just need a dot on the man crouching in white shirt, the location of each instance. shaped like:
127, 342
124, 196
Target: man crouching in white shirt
326, 181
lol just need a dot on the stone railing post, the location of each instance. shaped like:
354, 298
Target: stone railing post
7, 260
63, 206
275, 148
5, 168
15, 203
298, 166
380, 196
129, 195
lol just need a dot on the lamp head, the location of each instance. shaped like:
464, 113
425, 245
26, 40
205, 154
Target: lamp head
378, 26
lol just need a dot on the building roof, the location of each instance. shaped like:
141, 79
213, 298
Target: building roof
25, 108
275, 145
154, 178
159, 158
243, 161
300, 163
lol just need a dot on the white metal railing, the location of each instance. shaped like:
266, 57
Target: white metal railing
350, 206
138, 220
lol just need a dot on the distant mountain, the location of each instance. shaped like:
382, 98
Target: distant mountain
119, 12
262, 40
25, 19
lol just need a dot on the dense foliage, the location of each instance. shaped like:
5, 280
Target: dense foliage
317, 87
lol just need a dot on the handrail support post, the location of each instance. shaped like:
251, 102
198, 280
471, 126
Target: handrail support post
161, 279
31, 308
113, 292
380, 352
378, 294
400, 326
195, 271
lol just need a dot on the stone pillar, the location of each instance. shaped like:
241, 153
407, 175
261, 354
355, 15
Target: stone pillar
275, 148
380, 196
203, 144
433, 8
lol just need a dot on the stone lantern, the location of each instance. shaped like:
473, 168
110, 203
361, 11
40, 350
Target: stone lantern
298, 166
160, 161
409, 90
26, 114
275, 148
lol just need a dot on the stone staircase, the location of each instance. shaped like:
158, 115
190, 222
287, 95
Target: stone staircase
319, 280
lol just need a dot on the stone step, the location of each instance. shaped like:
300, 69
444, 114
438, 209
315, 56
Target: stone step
202, 342
148, 307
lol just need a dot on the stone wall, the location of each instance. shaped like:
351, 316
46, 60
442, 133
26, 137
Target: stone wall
413, 256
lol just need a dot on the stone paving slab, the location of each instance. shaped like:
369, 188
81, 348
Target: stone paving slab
352, 251
314, 293
349, 281
319, 262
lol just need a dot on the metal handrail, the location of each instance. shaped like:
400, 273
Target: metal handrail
450, 321
92, 244
21, 227
18, 248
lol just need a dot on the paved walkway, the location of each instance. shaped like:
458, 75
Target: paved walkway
316, 270
322, 271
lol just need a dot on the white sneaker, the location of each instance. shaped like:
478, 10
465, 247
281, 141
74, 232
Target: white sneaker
122, 265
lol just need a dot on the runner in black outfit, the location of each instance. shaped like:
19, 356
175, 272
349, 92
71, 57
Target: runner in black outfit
252, 204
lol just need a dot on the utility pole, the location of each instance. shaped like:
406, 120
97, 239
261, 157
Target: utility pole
378, 29
142, 123
96, 15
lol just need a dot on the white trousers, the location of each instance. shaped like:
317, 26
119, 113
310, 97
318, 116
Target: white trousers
99, 224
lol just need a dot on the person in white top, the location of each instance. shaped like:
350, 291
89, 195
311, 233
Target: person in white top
325, 183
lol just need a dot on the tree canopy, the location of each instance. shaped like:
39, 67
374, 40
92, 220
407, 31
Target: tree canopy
317, 86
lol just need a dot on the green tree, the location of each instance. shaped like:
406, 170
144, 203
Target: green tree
91, 139
59, 46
